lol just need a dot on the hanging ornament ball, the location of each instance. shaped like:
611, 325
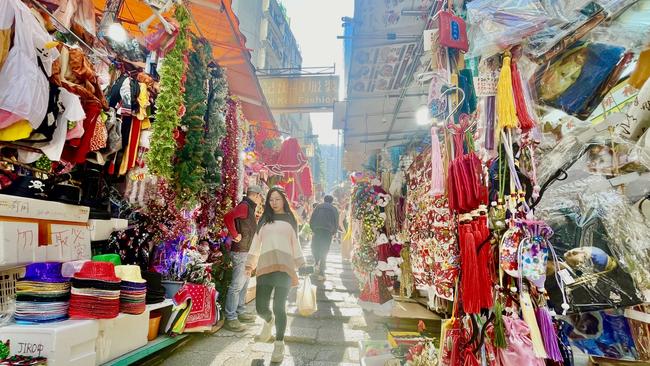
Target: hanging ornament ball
513, 289
566, 306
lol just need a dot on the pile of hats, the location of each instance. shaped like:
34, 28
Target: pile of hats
42, 295
155, 288
133, 289
95, 292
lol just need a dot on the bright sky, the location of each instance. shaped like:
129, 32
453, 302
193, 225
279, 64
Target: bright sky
315, 24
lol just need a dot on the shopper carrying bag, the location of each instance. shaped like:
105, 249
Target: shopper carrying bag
276, 256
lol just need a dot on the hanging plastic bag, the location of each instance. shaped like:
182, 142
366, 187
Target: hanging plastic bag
306, 298
20, 68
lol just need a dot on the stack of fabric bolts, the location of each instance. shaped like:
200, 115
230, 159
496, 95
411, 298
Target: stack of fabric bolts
95, 292
155, 289
133, 289
42, 295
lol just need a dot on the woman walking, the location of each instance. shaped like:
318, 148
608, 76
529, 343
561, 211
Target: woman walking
276, 255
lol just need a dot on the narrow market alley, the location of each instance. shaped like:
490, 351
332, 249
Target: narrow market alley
328, 337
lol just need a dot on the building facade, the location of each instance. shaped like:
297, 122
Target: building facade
274, 50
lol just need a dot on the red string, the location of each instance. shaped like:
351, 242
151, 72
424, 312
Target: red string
526, 122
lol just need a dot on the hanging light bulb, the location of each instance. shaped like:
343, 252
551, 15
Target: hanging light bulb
117, 33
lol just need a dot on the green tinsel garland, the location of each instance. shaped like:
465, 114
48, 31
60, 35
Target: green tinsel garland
188, 171
215, 127
168, 103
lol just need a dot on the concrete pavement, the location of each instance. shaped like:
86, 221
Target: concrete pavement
327, 338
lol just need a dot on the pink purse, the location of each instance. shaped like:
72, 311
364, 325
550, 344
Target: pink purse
520, 347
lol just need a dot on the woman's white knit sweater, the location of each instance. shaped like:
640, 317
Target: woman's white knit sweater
276, 248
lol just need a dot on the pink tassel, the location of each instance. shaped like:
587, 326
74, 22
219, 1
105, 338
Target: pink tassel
437, 174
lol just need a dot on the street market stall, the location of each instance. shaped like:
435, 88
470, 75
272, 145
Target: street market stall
527, 175
120, 154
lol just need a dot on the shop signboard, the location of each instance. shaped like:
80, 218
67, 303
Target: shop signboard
301, 93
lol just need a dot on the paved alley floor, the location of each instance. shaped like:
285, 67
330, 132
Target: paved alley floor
329, 337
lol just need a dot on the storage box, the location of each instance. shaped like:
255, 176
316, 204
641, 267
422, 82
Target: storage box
68, 343
23, 241
121, 335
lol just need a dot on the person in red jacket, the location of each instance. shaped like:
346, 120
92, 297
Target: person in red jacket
242, 225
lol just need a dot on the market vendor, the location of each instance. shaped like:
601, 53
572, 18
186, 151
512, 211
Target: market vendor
241, 223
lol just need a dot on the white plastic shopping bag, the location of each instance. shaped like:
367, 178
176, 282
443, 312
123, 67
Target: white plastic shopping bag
306, 298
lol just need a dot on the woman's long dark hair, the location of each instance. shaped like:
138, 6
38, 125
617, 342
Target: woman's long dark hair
268, 217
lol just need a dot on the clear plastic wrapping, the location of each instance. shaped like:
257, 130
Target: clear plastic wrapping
497, 25
602, 245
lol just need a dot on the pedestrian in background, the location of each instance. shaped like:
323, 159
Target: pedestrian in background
242, 224
324, 224
276, 256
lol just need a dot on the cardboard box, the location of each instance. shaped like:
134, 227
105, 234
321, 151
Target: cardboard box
67, 343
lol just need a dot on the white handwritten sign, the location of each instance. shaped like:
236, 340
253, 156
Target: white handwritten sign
19, 243
68, 242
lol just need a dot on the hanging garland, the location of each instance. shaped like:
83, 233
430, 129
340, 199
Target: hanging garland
188, 171
169, 102
229, 168
215, 127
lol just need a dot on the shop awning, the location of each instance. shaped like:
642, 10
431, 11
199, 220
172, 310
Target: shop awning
217, 22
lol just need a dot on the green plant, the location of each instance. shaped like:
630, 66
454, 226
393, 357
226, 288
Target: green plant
168, 102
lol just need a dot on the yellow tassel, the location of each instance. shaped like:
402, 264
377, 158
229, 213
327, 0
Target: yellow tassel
528, 312
505, 100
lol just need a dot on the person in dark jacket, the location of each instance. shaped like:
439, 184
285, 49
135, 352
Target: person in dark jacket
324, 224
242, 224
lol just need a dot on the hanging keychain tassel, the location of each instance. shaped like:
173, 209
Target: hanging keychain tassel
548, 334
505, 101
526, 122
437, 174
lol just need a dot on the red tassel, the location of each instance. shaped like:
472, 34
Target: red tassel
526, 122
469, 271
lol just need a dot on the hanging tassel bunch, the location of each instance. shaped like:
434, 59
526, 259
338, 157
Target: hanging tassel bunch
526, 122
466, 191
505, 102
499, 326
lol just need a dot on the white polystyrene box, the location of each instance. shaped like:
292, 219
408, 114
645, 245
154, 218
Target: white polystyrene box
68, 243
121, 335
100, 229
67, 343
19, 244
29, 208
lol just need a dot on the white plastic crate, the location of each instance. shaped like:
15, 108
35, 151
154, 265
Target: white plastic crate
8, 279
